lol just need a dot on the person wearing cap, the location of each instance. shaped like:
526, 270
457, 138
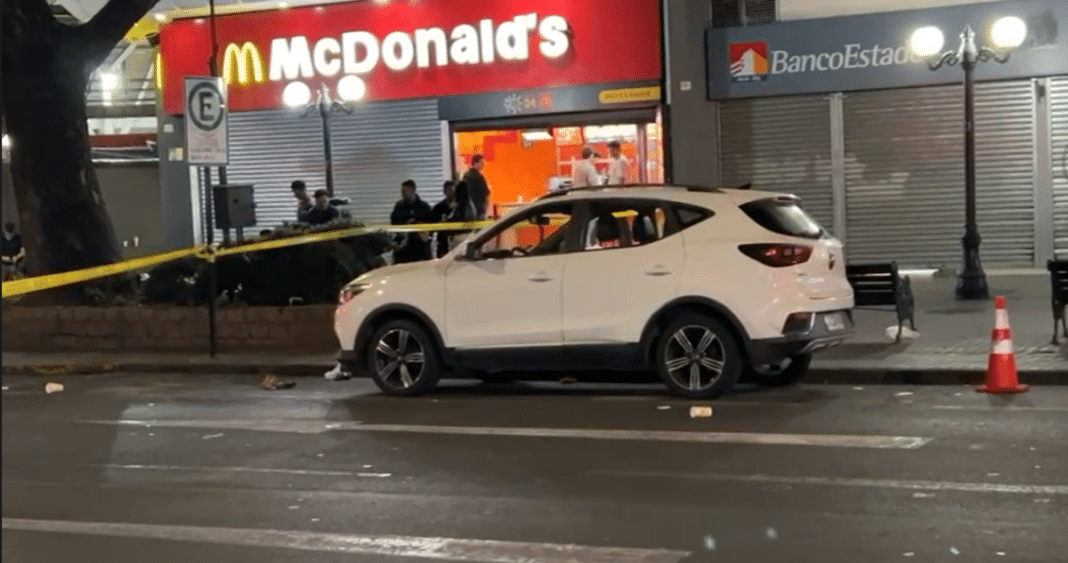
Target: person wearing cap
618, 166
583, 172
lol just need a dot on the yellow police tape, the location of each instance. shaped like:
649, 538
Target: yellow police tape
40, 283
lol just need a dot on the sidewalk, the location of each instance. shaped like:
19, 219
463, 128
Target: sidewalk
952, 347
954, 336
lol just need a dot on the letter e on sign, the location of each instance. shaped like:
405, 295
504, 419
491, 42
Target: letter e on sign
206, 139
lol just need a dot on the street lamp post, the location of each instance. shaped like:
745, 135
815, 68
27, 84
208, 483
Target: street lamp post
350, 89
1006, 33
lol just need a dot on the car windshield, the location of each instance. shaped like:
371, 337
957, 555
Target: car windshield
783, 217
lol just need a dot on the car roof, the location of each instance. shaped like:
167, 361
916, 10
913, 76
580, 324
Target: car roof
672, 192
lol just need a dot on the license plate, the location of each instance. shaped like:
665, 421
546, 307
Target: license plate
834, 321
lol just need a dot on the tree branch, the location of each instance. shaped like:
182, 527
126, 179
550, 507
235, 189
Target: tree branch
110, 25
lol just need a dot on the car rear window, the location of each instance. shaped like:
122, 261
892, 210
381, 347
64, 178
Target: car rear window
783, 217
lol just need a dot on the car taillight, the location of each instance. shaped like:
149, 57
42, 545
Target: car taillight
777, 255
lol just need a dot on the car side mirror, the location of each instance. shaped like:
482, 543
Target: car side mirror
470, 253
540, 220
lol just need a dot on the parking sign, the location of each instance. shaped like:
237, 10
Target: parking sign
206, 141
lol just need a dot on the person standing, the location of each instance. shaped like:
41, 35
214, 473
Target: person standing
14, 252
414, 247
304, 203
584, 172
618, 165
479, 188
441, 212
322, 212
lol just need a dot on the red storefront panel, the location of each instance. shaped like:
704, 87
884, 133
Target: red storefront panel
489, 46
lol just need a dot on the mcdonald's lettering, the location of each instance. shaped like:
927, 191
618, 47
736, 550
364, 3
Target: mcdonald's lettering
244, 61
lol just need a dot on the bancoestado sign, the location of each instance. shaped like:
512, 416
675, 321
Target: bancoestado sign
871, 51
435, 48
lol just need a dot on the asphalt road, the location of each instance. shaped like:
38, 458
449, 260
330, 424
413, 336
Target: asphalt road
134, 468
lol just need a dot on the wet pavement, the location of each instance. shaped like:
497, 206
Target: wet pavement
172, 468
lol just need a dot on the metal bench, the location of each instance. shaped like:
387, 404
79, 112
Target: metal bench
1058, 279
880, 285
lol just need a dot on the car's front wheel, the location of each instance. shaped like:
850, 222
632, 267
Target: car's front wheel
698, 357
403, 359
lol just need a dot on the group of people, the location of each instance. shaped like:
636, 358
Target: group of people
465, 200
584, 172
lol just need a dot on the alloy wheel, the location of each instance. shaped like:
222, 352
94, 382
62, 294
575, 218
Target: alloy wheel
695, 358
400, 359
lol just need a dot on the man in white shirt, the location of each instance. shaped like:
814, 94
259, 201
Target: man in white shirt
618, 167
583, 172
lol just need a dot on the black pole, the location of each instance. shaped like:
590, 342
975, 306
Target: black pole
213, 289
213, 65
972, 282
328, 151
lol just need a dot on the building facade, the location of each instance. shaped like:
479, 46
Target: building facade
525, 83
838, 111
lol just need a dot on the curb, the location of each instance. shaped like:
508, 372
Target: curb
832, 376
888, 376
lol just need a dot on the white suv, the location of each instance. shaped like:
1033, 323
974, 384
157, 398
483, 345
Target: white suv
705, 285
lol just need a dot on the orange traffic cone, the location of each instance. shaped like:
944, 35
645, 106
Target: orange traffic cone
1001, 376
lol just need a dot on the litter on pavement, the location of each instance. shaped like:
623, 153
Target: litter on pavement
700, 412
273, 383
53, 388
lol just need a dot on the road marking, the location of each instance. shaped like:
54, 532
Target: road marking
304, 426
1005, 408
847, 482
487, 551
314, 472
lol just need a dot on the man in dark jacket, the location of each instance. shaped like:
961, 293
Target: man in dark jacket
441, 213
411, 210
480, 191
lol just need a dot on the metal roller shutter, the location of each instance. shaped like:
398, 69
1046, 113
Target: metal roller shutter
1059, 132
375, 149
905, 174
1005, 171
780, 144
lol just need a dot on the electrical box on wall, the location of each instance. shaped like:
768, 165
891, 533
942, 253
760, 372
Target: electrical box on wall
234, 206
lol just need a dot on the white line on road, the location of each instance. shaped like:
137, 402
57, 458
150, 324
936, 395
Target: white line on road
847, 482
1005, 408
312, 472
484, 551
305, 426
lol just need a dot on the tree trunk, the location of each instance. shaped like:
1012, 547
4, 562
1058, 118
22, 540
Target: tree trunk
46, 67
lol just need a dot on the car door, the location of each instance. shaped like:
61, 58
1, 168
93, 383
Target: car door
507, 293
623, 275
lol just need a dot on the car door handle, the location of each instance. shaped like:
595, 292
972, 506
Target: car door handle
658, 271
540, 277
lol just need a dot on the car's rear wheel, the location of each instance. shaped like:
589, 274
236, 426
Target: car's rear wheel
785, 373
698, 357
403, 359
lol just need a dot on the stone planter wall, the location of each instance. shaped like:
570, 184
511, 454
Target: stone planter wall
303, 329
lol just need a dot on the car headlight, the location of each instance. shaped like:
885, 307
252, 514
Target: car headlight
352, 290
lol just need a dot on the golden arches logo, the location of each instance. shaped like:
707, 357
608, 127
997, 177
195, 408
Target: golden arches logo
244, 61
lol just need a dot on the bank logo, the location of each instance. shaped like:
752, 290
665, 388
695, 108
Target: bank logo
749, 61
242, 63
